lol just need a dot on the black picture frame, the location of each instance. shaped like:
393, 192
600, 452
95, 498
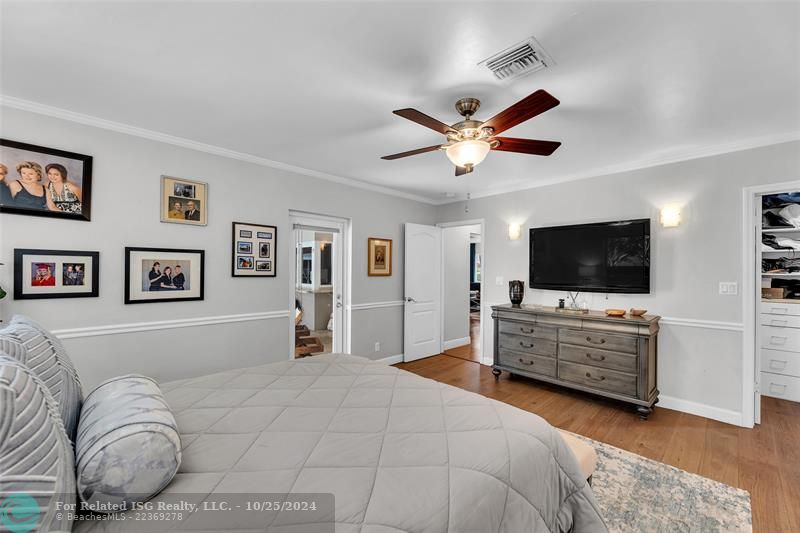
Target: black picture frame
201, 256
254, 230
19, 270
85, 185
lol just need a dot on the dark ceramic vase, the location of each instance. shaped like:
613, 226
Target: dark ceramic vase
516, 290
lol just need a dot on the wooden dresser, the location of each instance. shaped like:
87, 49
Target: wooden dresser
614, 357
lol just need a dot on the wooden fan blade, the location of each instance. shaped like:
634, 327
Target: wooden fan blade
527, 108
526, 146
460, 171
412, 152
424, 120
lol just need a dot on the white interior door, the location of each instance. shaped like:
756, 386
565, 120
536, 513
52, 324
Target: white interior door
423, 292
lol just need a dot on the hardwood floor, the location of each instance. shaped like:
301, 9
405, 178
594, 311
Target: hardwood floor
764, 460
471, 351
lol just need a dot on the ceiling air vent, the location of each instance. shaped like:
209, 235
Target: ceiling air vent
517, 61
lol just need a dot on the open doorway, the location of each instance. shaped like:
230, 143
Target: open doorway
462, 258
318, 288
772, 298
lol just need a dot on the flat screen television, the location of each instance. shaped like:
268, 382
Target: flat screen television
602, 257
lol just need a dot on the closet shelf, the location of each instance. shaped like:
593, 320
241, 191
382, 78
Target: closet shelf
780, 230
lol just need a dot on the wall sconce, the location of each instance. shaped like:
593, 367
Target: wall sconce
670, 216
514, 232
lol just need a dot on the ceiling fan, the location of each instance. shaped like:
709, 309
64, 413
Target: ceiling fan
470, 140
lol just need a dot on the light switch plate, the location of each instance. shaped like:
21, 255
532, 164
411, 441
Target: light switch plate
728, 288
499, 281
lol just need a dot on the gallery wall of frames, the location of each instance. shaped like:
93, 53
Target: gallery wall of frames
51, 182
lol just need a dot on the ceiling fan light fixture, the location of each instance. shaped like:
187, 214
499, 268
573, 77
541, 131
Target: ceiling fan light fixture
468, 153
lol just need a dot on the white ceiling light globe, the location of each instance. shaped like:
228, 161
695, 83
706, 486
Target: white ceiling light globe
470, 152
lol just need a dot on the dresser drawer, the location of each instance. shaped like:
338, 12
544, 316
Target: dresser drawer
599, 378
778, 308
785, 321
600, 358
775, 338
530, 330
531, 345
530, 363
777, 386
778, 362
593, 339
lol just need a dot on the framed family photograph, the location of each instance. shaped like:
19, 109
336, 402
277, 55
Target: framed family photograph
44, 182
163, 275
379, 257
184, 201
40, 274
254, 247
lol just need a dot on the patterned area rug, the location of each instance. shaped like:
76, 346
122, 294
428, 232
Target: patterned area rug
636, 494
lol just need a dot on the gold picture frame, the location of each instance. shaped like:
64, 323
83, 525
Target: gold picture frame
379, 256
184, 201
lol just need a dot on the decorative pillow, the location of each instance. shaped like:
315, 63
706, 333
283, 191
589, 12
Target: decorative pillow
127, 448
36, 457
47, 357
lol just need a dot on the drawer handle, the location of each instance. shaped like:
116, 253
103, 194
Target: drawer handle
524, 362
526, 345
523, 330
777, 340
601, 378
601, 358
775, 322
589, 339
781, 310
773, 363
772, 387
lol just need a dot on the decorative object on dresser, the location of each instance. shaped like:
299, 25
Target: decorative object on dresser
516, 291
614, 357
615, 312
44, 182
55, 274
255, 249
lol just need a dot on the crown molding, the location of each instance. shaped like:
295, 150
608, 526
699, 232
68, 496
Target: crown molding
89, 120
640, 164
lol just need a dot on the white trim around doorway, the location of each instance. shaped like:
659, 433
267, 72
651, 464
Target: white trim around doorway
344, 227
751, 295
456, 224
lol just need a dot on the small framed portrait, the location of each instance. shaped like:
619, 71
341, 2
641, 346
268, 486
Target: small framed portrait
44, 182
254, 250
184, 201
379, 257
40, 274
163, 275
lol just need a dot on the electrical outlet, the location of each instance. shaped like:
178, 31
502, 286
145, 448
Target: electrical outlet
728, 288
499, 281
377, 347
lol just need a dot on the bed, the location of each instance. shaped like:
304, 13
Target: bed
398, 451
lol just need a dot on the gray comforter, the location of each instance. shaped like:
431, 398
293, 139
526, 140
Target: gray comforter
399, 452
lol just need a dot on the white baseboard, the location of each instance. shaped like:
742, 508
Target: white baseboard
701, 409
455, 343
392, 359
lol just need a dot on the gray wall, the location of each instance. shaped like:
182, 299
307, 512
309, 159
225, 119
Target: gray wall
455, 244
125, 212
699, 364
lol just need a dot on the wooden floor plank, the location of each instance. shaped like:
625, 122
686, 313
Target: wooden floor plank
764, 460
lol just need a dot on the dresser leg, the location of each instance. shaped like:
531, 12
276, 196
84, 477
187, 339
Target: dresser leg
644, 412
496, 372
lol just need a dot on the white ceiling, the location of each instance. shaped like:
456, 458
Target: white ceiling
313, 84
